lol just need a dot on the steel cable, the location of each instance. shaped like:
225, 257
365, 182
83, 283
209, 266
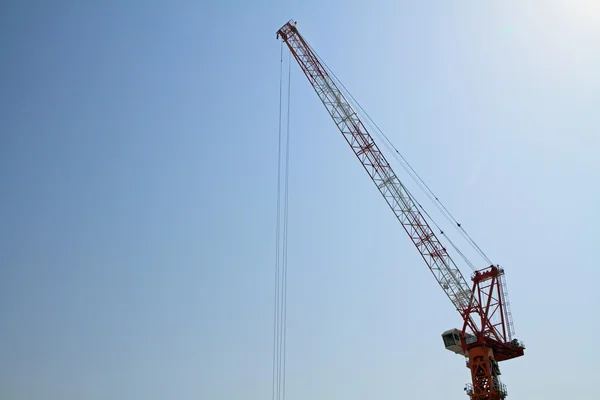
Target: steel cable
415, 177
281, 242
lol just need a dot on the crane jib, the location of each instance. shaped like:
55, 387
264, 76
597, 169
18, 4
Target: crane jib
374, 162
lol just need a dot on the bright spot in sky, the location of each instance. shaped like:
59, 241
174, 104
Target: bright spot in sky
580, 11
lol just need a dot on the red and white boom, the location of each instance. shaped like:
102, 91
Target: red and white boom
486, 334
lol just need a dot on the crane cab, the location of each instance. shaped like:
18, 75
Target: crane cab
451, 340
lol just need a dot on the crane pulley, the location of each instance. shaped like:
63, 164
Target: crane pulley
486, 335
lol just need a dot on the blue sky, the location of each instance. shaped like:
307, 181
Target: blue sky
138, 165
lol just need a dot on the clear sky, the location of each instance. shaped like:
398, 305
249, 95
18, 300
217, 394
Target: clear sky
138, 144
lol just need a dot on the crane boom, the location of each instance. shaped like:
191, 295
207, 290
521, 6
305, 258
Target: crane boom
372, 159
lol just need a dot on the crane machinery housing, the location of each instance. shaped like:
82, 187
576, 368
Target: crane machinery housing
486, 337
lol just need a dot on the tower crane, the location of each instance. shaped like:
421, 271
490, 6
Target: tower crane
486, 336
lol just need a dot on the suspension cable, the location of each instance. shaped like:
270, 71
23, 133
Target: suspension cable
285, 222
415, 177
277, 236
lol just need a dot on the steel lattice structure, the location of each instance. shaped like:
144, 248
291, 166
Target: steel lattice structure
394, 192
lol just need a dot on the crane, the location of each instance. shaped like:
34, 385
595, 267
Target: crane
486, 337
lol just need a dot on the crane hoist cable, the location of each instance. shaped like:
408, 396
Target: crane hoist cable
281, 239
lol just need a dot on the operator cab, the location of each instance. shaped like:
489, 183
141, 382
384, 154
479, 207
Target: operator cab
452, 341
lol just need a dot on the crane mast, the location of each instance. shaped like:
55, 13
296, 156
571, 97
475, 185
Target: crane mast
486, 319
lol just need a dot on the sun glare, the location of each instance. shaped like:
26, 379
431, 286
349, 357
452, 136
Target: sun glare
580, 11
